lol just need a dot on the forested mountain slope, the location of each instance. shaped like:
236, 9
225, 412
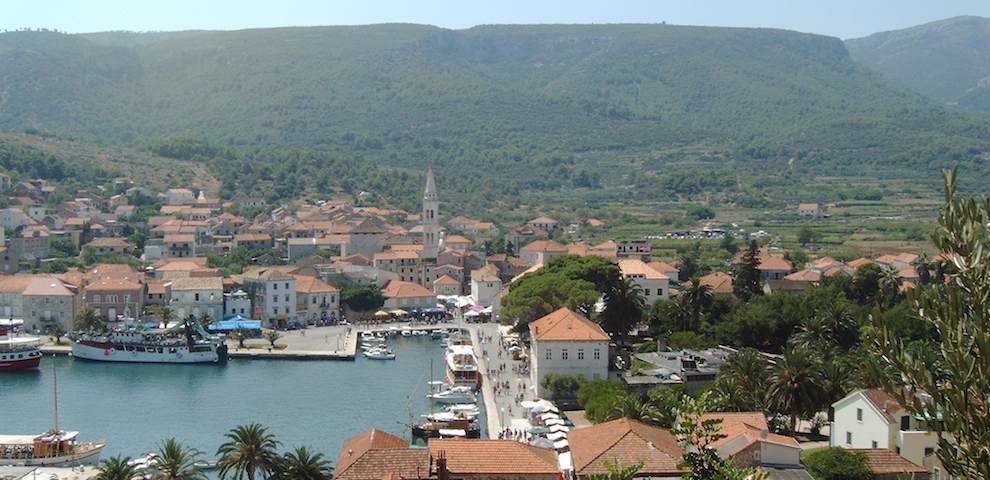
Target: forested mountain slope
948, 60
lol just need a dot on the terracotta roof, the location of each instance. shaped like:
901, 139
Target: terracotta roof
307, 284
663, 267
197, 283
808, 206
111, 242
885, 402
882, 461
456, 239
157, 287
628, 441
396, 255
543, 246
179, 266
859, 262
112, 284
804, 276
542, 220
15, 283
252, 237
110, 270
393, 463
400, 289
446, 280
566, 325
632, 266
720, 282
775, 262
742, 429
488, 273
355, 447
494, 457
180, 238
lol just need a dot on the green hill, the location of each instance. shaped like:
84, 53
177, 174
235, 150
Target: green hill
948, 60
498, 110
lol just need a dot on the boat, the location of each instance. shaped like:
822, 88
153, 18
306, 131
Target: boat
460, 394
455, 428
462, 367
438, 334
379, 354
406, 333
419, 333
373, 340
462, 407
54, 448
17, 352
450, 416
187, 342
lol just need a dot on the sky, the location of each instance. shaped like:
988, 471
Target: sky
840, 18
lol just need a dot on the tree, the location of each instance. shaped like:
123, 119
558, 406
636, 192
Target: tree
173, 461
272, 336
806, 235
301, 464
57, 332
668, 315
241, 334
89, 321
866, 284
836, 463
597, 398
624, 308
205, 319
631, 405
688, 260
890, 285
562, 386
696, 434
728, 243
795, 385
249, 449
747, 283
836, 382
954, 370
696, 296
360, 298
165, 314
117, 468
742, 381
616, 471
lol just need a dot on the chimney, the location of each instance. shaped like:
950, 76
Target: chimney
442, 473
764, 433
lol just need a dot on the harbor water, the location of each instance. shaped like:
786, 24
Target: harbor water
317, 404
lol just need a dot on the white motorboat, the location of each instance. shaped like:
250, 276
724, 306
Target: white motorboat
450, 417
419, 333
462, 408
372, 339
379, 354
406, 333
457, 394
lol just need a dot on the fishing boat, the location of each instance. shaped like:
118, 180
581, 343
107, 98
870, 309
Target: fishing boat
462, 367
187, 342
54, 448
461, 394
379, 354
17, 352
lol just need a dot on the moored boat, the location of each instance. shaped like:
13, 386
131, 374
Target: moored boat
17, 352
184, 343
461, 394
379, 354
462, 367
54, 448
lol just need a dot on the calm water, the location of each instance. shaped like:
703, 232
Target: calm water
314, 403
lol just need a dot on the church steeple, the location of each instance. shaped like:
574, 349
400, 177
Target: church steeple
431, 217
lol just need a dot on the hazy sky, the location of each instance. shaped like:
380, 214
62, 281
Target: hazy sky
842, 18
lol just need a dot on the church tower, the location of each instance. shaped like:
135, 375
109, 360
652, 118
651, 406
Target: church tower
431, 212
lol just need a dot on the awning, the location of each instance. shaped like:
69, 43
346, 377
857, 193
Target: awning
559, 428
399, 312
236, 322
381, 313
554, 436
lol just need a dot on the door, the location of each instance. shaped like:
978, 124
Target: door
905, 423
111, 314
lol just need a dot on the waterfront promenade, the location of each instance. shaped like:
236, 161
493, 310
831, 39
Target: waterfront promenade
504, 384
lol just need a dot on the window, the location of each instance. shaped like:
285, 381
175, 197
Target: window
96, 299
859, 414
549, 355
274, 286
563, 354
598, 354
286, 298
873, 444
905, 422
580, 354
314, 300
196, 297
849, 438
928, 450
286, 286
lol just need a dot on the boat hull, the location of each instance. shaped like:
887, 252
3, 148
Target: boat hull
89, 457
32, 361
98, 352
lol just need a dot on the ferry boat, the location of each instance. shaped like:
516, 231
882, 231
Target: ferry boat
17, 352
192, 345
462, 367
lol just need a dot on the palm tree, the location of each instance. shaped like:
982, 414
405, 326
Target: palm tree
249, 449
743, 380
57, 332
697, 296
812, 333
624, 307
836, 382
302, 464
890, 284
631, 406
205, 319
88, 320
175, 462
117, 468
165, 314
795, 385
925, 267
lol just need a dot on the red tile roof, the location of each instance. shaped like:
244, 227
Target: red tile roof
882, 461
565, 325
400, 289
885, 402
355, 447
494, 457
628, 441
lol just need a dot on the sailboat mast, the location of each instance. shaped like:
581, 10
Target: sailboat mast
55, 396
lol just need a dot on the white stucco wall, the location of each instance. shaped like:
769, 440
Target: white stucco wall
590, 367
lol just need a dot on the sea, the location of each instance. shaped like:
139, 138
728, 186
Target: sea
315, 403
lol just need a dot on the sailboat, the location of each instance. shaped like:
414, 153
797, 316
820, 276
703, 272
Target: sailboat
56, 447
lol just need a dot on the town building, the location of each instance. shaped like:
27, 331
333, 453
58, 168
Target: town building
544, 223
237, 302
447, 286
654, 285
810, 210
317, 301
539, 252
627, 441
567, 342
41, 301
747, 442
116, 297
399, 294
180, 245
485, 285
405, 264
104, 245
195, 296
274, 294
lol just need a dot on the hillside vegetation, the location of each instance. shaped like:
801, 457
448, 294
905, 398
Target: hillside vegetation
948, 60
507, 114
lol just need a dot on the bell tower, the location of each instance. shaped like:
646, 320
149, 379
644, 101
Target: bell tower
431, 220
